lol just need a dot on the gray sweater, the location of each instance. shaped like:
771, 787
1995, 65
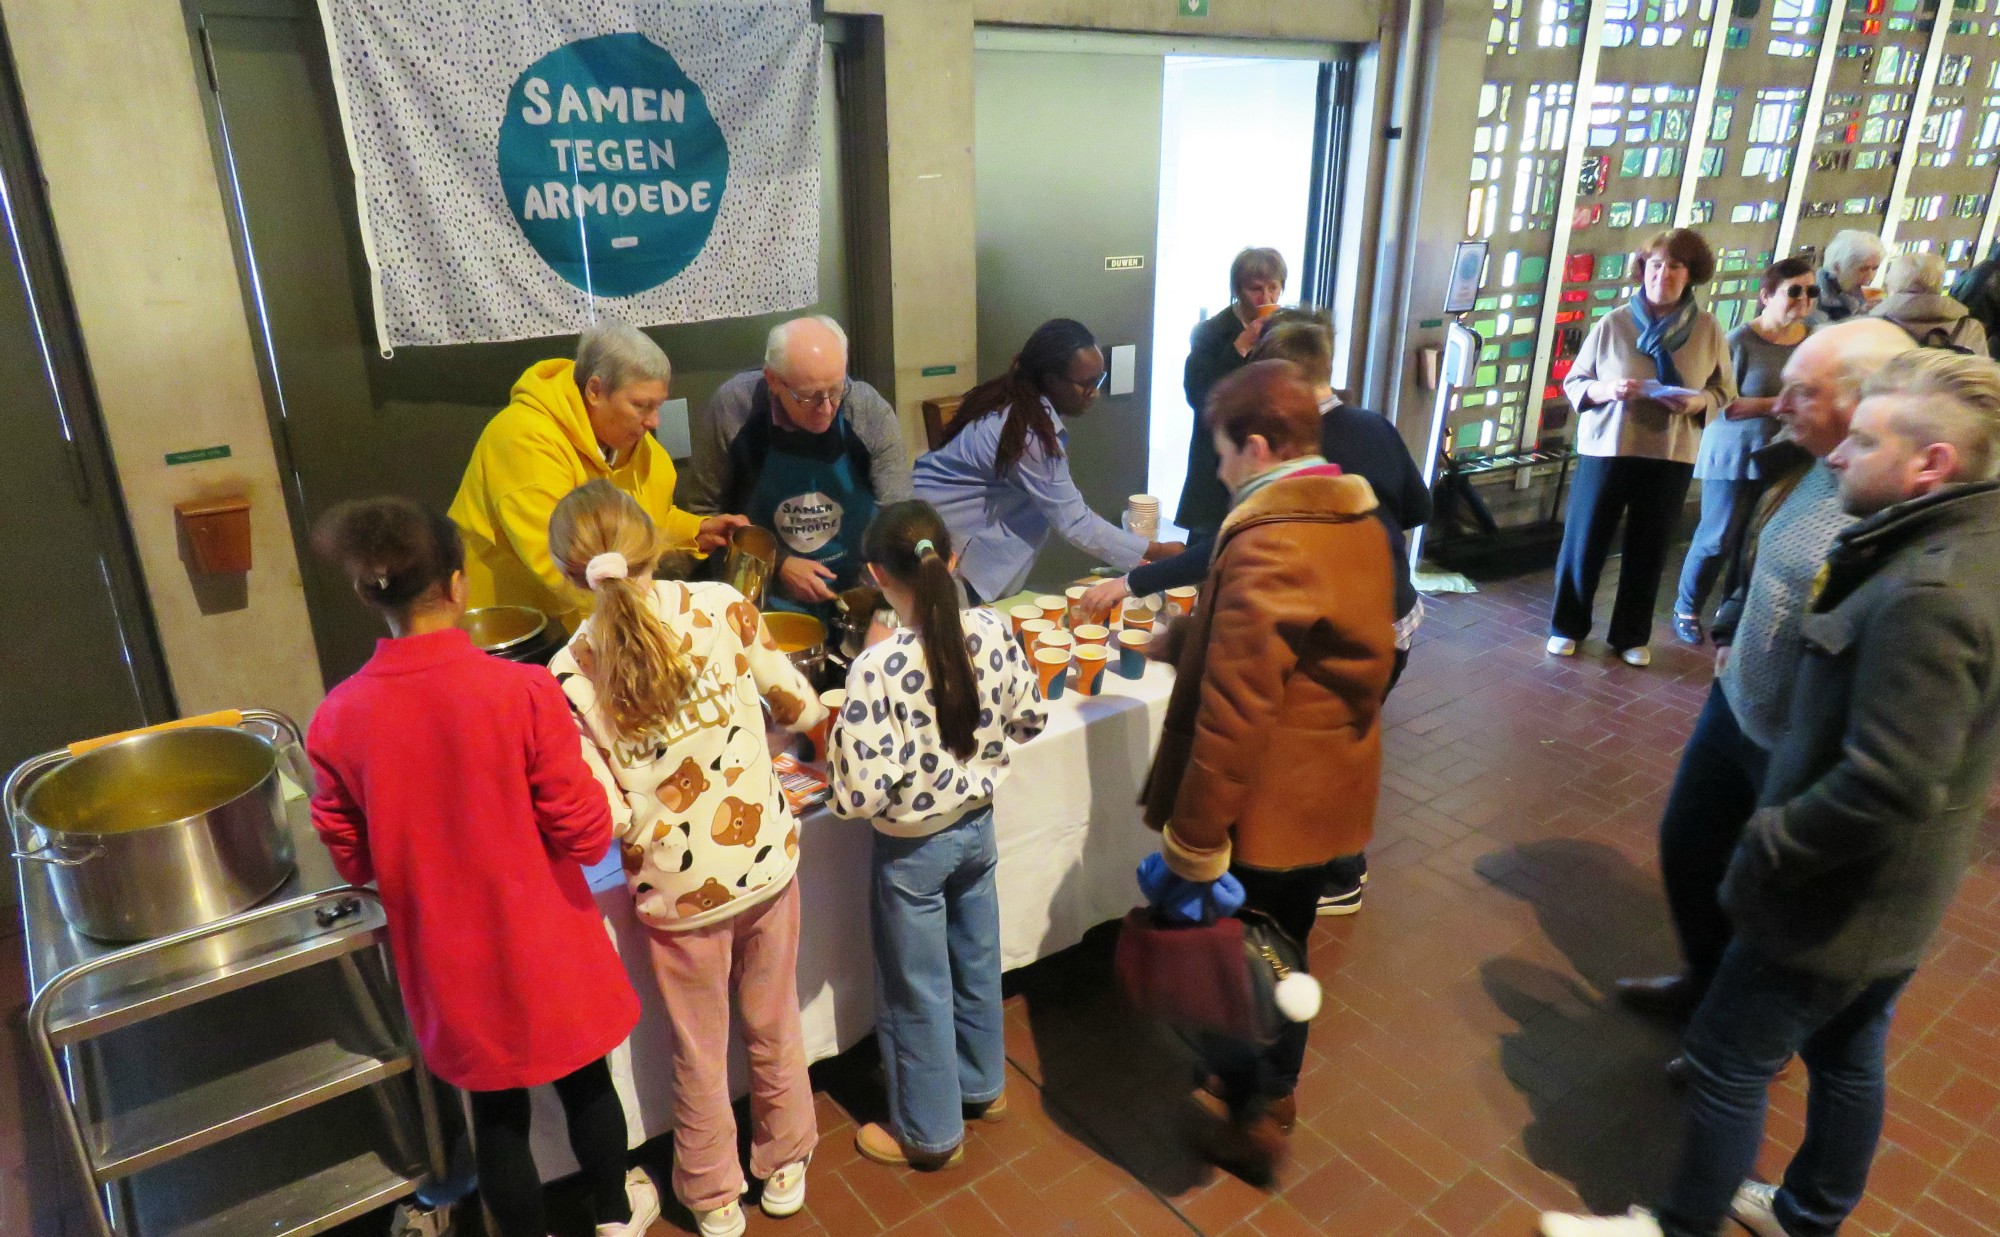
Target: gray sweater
712, 472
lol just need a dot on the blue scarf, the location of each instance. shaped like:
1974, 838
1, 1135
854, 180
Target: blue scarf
1660, 337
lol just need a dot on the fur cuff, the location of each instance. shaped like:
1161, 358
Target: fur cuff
1193, 863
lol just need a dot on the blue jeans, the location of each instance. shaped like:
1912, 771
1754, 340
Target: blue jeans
938, 1016
1714, 795
1756, 1016
1723, 508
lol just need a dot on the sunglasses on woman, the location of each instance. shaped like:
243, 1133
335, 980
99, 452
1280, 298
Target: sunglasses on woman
1809, 291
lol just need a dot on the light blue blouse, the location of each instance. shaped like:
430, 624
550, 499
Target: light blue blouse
999, 525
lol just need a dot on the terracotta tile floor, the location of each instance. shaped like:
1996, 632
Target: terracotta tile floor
1468, 1068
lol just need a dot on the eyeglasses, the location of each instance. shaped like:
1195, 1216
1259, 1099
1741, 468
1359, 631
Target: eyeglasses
1093, 386
1794, 291
814, 399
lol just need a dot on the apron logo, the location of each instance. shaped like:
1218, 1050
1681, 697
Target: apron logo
808, 522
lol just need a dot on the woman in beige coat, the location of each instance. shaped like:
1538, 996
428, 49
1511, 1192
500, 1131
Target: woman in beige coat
1648, 377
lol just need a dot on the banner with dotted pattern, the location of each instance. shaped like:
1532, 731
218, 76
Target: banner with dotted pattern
521, 161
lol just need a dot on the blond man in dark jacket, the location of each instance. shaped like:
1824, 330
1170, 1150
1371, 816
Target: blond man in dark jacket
1869, 817
1271, 756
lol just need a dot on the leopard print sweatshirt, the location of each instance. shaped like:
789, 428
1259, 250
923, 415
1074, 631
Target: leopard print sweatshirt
702, 824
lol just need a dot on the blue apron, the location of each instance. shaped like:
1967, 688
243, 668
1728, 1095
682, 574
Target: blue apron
811, 490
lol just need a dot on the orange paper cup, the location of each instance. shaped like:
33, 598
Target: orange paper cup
1138, 615
1051, 671
1091, 633
1053, 608
1021, 614
1132, 652
1033, 630
1056, 638
1181, 600
822, 734
1091, 659
1075, 594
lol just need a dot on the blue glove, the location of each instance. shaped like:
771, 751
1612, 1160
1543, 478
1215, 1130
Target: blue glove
1184, 900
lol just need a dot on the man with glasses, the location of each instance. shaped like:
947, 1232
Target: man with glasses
1769, 580
806, 452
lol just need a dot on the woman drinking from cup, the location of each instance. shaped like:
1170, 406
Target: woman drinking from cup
1001, 481
1646, 377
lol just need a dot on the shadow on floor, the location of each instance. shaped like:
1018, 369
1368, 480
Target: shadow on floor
1604, 1118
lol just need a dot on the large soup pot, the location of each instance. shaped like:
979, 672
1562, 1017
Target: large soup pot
513, 633
163, 829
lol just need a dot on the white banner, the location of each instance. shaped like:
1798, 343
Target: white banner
520, 161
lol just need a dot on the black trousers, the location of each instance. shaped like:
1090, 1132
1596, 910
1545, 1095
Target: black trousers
1648, 494
508, 1182
1252, 1076
1714, 795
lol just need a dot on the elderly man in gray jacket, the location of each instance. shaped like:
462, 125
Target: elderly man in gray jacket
806, 452
1868, 816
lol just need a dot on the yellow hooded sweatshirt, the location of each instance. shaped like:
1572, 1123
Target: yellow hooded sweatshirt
531, 455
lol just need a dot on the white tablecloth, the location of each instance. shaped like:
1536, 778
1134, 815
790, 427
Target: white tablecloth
1069, 832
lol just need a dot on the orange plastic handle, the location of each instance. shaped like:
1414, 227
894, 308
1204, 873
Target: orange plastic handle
227, 717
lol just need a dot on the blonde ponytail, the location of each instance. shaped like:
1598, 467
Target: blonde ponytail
638, 667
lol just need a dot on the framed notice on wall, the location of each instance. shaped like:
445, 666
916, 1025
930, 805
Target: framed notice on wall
1468, 263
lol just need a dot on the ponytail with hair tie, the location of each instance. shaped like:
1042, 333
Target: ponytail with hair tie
908, 543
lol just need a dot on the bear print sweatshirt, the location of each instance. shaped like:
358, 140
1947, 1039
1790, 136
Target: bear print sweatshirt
702, 823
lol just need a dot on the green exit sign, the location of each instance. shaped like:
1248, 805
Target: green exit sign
1194, 8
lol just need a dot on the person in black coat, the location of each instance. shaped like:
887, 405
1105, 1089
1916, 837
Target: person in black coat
1218, 348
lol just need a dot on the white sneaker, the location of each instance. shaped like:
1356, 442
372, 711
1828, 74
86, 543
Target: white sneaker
1562, 646
1637, 1222
1640, 657
644, 1199
725, 1221
1755, 1208
785, 1191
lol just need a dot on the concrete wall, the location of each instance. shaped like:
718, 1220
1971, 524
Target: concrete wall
111, 92
140, 218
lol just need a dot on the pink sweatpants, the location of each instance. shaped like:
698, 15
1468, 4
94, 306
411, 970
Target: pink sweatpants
754, 955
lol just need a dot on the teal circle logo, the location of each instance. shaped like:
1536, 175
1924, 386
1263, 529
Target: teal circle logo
612, 163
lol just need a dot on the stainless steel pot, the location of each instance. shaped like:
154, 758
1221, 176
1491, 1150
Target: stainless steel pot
752, 557
161, 830
513, 633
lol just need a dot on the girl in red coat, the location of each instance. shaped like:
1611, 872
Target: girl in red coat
454, 781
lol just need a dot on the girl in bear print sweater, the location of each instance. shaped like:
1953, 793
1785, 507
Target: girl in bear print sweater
668, 683
919, 750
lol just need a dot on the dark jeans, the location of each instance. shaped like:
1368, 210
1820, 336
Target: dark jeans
1253, 1076
1725, 509
1713, 796
1757, 1016
1648, 494
508, 1181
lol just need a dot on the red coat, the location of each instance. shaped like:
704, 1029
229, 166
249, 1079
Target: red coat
456, 781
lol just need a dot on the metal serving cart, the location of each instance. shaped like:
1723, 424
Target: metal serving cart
255, 1075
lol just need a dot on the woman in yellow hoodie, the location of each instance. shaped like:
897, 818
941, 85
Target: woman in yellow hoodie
568, 423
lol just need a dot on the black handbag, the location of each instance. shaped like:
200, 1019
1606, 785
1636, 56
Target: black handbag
1237, 976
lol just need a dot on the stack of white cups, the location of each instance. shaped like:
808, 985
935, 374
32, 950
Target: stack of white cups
1142, 516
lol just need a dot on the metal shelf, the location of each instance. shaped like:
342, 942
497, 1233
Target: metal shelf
312, 1204
173, 979
261, 1093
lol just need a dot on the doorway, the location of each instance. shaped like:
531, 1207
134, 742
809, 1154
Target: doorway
1117, 175
1236, 170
